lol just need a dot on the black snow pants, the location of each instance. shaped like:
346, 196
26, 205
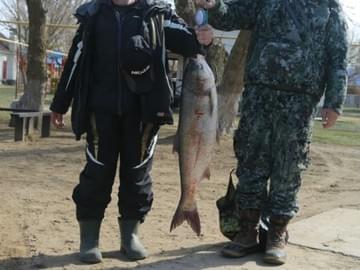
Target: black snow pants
109, 137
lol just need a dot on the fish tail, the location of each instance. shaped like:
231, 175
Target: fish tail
191, 216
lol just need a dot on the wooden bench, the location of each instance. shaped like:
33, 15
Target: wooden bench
26, 122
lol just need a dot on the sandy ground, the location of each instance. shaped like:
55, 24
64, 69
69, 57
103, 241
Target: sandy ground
38, 229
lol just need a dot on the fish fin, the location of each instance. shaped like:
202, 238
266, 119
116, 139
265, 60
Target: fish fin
206, 173
192, 218
213, 102
176, 143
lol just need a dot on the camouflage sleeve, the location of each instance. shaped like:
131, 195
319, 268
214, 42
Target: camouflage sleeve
337, 49
230, 15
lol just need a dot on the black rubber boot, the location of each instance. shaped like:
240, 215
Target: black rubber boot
277, 239
246, 240
131, 246
89, 241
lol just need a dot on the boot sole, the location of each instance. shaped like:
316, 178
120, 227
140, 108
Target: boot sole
232, 254
129, 257
274, 261
91, 256
90, 259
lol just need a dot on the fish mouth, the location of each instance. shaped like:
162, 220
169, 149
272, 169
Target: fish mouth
198, 77
196, 64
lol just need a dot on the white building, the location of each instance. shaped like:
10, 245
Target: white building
7, 61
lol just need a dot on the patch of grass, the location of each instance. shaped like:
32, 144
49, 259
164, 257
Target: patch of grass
7, 95
345, 132
352, 112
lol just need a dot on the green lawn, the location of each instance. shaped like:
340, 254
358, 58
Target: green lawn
352, 111
7, 95
345, 132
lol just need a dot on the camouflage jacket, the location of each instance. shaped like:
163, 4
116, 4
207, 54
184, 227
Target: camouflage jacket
297, 45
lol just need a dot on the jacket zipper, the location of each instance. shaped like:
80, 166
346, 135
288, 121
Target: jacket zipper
119, 21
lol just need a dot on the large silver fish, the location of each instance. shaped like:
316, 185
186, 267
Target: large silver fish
195, 138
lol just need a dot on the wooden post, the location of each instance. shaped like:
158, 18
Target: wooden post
19, 128
45, 125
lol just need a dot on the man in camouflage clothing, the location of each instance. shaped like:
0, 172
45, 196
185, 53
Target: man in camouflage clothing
298, 52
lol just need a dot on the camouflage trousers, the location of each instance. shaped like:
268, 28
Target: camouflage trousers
272, 144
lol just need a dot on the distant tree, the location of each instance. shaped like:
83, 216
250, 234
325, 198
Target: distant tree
354, 68
58, 12
36, 57
354, 56
40, 38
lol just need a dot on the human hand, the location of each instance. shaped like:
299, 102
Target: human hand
204, 34
207, 4
329, 117
57, 120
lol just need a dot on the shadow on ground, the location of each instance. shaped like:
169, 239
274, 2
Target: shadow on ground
6, 134
200, 257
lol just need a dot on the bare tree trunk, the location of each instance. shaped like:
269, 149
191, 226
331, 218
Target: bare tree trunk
58, 12
232, 83
217, 57
36, 67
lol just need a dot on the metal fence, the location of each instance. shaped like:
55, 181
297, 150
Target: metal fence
352, 101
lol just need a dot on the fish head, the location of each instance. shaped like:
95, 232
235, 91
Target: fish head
198, 77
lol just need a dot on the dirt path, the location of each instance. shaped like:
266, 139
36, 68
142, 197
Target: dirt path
38, 228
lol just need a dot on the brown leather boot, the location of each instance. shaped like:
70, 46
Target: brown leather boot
277, 239
246, 240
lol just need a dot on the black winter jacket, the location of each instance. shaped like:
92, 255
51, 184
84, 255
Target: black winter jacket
74, 85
